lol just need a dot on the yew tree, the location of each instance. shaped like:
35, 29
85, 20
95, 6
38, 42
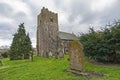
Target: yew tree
21, 44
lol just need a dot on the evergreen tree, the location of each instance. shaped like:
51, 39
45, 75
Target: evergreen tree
21, 44
27, 46
103, 45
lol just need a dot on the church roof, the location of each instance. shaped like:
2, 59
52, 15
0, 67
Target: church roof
67, 36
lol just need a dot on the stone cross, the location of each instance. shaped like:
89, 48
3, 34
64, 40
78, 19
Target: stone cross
76, 56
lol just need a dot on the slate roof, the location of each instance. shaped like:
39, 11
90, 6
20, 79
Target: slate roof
67, 36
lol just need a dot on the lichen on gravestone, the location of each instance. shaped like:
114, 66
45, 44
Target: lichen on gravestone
76, 56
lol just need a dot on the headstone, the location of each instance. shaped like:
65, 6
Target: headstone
56, 55
61, 50
45, 54
76, 56
61, 53
31, 56
50, 54
23, 56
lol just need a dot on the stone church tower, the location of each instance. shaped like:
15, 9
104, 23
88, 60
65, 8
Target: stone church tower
47, 32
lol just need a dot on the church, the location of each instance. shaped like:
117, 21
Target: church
50, 40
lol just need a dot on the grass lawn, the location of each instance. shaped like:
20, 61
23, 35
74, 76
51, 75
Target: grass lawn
51, 69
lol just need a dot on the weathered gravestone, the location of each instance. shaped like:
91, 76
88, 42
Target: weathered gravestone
76, 56
61, 50
61, 54
31, 56
46, 54
50, 53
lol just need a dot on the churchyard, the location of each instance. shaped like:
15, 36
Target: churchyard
61, 55
52, 69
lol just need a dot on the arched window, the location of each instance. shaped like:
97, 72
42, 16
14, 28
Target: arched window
51, 19
40, 21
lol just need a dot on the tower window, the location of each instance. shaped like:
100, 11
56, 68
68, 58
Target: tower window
51, 19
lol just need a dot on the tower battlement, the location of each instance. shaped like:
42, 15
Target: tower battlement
47, 16
47, 11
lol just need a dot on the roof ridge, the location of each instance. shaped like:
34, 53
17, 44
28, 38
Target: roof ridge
64, 32
67, 36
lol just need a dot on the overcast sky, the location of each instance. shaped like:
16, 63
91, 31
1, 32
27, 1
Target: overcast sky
73, 15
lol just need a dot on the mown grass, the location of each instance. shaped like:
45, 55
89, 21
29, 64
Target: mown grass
51, 69
109, 72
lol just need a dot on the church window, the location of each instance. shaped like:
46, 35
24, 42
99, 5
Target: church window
51, 19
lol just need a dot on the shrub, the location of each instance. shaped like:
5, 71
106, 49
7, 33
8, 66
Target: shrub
103, 45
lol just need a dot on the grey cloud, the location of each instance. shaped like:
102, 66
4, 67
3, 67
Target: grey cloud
77, 8
111, 13
5, 9
6, 31
80, 8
